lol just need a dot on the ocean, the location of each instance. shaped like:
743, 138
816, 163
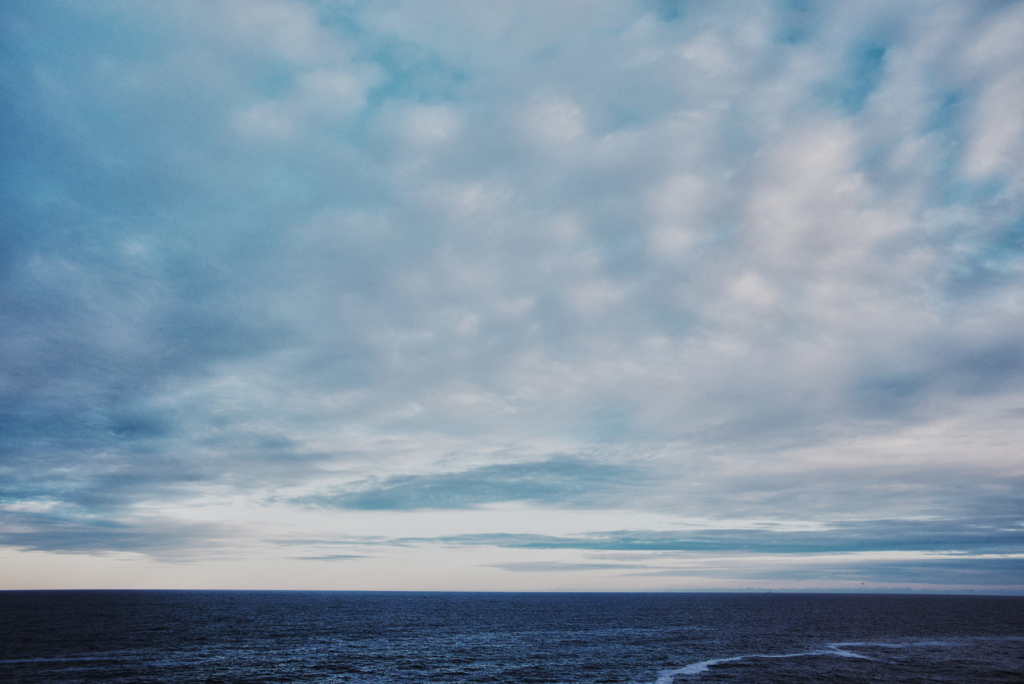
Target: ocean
386, 637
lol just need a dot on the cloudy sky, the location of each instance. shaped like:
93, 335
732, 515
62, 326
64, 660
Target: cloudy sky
585, 295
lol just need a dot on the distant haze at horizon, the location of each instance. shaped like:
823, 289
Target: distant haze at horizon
644, 295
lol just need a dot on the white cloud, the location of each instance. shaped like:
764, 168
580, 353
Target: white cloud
431, 124
678, 208
998, 141
738, 248
554, 121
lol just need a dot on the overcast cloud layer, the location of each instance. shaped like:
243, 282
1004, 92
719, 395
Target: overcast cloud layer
531, 295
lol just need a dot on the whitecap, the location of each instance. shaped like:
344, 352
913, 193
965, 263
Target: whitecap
667, 676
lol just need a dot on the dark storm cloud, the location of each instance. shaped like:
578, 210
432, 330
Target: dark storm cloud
994, 536
977, 573
962, 570
567, 481
159, 537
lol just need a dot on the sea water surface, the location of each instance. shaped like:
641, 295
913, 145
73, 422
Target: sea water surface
373, 638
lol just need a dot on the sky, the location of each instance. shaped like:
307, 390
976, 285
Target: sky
588, 295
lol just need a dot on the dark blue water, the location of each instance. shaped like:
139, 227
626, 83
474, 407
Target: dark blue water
168, 636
